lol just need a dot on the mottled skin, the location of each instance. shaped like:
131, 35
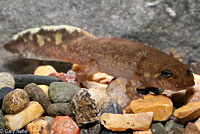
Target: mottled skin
140, 64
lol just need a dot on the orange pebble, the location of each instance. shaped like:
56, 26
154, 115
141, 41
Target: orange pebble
44, 70
63, 125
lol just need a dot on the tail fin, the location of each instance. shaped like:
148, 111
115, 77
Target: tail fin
45, 43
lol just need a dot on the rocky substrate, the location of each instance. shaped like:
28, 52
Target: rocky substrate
55, 103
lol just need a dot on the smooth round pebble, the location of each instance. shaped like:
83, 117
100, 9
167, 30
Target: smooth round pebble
15, 101
6, 80
62, 92
57, 109
37, 94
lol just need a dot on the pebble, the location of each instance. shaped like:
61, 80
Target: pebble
160, 105
122, 122
63, 125
6, 80
19, 120
22, 80
197, 124
172, 127
37, 94
191, 129
44, 70
69, 77
188, 112
84, 108
95, 129
15, 101
101, 78
49, 119
3, 92
57, 109
117, 91
95, 87
158, 128
38, 126
45, 89
2, 121
101, 100
62, 92
112, 107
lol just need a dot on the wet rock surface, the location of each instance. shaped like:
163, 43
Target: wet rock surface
15, 101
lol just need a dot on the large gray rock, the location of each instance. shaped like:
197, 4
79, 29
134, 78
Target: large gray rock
158, 23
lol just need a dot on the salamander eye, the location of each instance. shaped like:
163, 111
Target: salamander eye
190, 72
166, 73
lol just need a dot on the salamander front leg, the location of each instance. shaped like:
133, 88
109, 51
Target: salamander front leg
131, 90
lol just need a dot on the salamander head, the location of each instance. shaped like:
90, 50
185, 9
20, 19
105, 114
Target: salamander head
167, 73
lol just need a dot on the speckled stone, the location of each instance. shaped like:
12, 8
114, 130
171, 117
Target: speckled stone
37, 94
62, 92
57, 109
2, 121
15, 101
6, 80
84, 108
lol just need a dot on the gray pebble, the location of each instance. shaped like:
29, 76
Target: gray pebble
172, 127
57, 109
112, 107
6, 80
96, 129
62, 92
158, 128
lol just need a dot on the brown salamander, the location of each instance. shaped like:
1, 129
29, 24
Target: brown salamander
140, 64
